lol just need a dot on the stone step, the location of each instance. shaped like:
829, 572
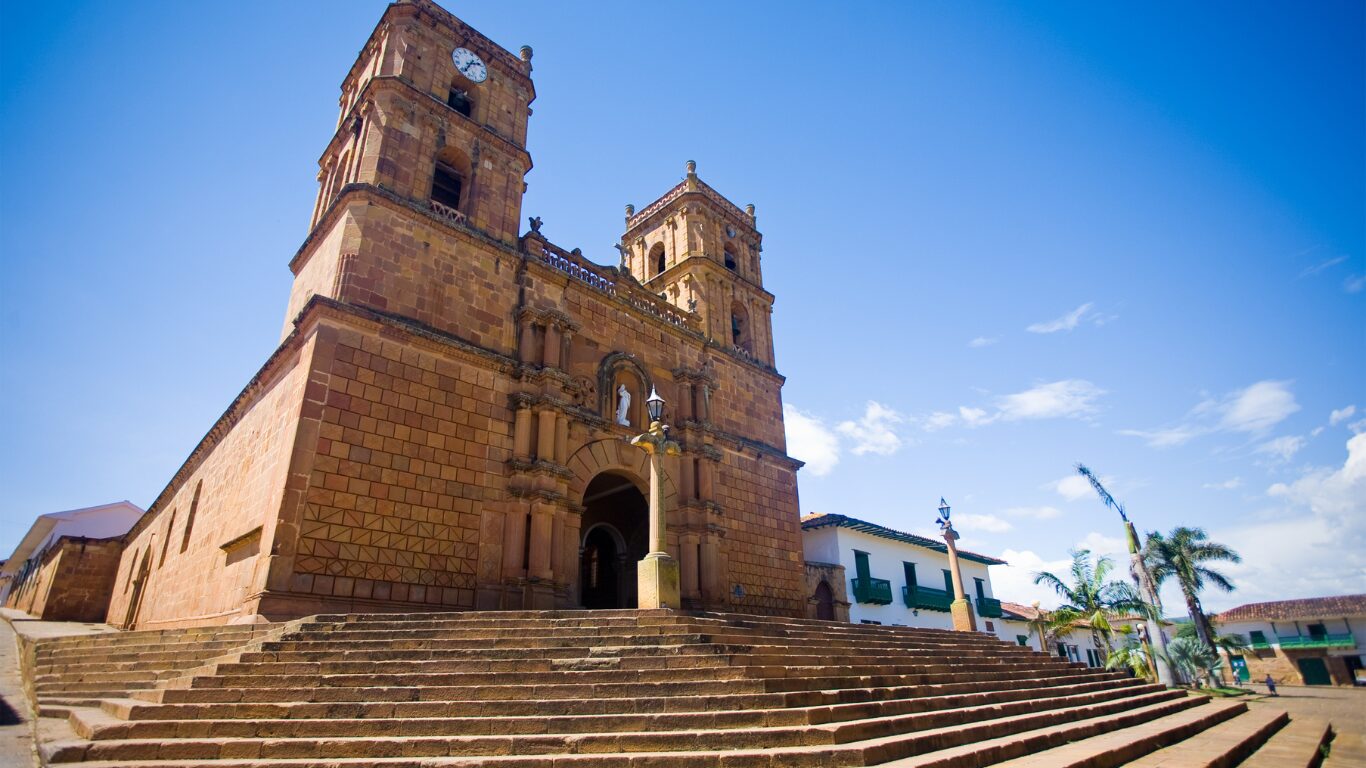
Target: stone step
133, 709
264, 677
559, 690
1221, 746
110, 639
851, 739
1300, 744
100, 724
1123, 727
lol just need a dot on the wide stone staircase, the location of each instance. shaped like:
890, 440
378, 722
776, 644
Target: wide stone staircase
616, 688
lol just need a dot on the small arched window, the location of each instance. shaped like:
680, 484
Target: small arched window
739, 327
656, 260
450, 177
460, 100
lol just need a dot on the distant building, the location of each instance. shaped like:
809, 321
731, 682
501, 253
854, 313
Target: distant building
897, 578
64, 567
1076, 644
1312, 641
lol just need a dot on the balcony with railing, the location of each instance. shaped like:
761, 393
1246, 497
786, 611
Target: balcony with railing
1292, 642
926, 598
874, 591
988, 607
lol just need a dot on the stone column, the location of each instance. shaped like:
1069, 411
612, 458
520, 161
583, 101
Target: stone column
542, 534
526, 345
552, 346
514, 542
710, 577
705, 479
687, 559
561, 438
963, 618
657, 574
545, 435
521, 433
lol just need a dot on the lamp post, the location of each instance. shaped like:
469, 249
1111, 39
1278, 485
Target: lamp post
961, 609
657, 573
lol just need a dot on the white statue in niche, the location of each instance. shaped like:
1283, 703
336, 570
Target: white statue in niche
623, 405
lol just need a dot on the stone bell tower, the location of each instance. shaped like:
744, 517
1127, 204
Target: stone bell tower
700, 252
433, 119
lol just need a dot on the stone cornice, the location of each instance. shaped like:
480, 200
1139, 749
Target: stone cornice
540, 467
383, 197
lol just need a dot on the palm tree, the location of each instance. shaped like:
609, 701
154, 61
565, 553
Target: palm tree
1192, 658
1091, 598
1131, 656
1184, 554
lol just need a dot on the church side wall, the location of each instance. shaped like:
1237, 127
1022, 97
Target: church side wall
763, 542
410, 447
239, 484
320, 265
76, 579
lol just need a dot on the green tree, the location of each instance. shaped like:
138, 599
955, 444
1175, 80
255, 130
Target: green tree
1185, 555
1132, 656
1192, 659
1090, 597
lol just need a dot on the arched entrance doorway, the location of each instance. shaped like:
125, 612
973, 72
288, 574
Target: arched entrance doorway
615, 531
825, 601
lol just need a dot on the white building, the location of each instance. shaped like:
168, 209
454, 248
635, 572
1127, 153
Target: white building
101, 522
1312, 641
1077, 644
897, 578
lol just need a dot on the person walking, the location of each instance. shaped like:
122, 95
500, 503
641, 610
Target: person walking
1271, 685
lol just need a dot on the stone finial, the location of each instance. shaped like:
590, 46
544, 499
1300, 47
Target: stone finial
526, 53
630, 210
692, 167
749, 208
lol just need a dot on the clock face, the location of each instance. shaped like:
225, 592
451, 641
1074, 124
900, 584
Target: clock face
470, 65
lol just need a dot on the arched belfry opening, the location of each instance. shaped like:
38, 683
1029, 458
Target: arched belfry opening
616, 527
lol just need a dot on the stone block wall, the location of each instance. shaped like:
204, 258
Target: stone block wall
833, 575
72, 582
184, 562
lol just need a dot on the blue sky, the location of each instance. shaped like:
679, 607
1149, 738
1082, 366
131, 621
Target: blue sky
1004, 238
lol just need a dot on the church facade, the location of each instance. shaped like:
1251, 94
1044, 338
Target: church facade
445, 422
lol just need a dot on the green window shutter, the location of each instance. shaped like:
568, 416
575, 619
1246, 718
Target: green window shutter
981, 588
1257, 636
861, 564
1022, 639
910, 574
948, 582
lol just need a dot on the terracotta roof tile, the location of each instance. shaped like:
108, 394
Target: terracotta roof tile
1304, 608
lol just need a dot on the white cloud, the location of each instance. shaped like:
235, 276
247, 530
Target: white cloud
1313, 545
1282, 449
1259, 407
1015, 582
1340, 415
969, 521
1073, 487
1354, 284
937, 421
982, 341
1317, 268
1065, 323
1036, 513
1227, 485
1165, 438
1252, 410
810, 441
1357, 426
974, 417
1070, 398
873, 432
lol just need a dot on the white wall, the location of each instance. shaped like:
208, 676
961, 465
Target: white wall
885, 558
